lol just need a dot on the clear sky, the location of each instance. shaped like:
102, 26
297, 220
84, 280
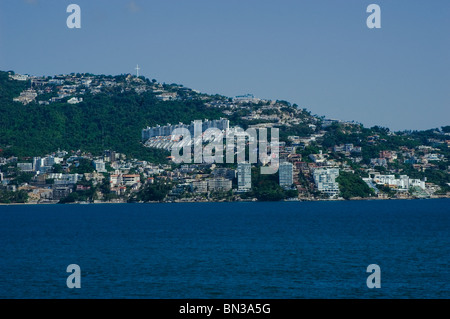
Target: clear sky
319, 54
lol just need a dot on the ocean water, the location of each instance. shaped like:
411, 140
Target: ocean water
278, 250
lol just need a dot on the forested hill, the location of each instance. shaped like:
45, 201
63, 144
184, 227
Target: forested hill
110, 119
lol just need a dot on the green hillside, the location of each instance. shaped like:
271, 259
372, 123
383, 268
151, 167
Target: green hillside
112, 120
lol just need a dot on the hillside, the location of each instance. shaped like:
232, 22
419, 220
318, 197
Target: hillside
95, 113
111, 119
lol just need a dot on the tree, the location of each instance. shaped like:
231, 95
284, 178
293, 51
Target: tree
7, 197
266, 187
84, 165
23, 178
351, 185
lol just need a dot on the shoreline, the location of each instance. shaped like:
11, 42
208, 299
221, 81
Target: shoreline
240, 201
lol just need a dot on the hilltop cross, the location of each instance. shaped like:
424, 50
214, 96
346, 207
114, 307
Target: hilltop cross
137, 70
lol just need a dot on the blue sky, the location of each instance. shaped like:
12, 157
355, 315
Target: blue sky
318, 54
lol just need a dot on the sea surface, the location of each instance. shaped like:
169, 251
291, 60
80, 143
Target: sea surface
280, 250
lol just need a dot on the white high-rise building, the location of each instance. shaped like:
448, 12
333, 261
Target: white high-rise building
286, 174
401, 183
244, 173
325, 179
38, 163
99, 166
149, 132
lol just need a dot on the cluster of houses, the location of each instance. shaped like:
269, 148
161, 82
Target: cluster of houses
314, 173
49, 183
54, 176
71, 88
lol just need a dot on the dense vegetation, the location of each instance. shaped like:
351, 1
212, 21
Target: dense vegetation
82, 166
152, 192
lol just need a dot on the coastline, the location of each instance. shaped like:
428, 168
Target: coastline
224, 201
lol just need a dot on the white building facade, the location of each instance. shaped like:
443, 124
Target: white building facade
325, 180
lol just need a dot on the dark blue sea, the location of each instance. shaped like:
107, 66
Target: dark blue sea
227, 250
